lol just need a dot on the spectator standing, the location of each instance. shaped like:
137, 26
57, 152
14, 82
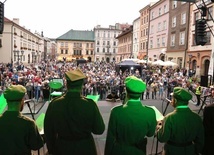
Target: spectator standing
198, 92
154, 87
148, 88
29, 87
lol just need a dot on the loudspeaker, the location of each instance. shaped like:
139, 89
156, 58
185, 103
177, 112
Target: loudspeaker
204, 81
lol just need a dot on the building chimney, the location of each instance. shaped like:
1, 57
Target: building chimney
16, 20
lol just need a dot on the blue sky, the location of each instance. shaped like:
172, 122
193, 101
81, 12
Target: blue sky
55, 18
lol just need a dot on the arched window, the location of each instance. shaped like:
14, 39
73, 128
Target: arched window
194, 65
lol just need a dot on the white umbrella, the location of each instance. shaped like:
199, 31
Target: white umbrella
135, 60
170, 63
158, 63
144, 61
141, 61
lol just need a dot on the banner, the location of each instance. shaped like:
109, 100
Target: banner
40, 123
93, 97
3, 103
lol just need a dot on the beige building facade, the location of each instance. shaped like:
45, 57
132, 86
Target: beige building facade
18, 44
76, 44
125, 44
143, 33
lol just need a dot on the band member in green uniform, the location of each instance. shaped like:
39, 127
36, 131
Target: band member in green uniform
208, 121
182, 130
71, 119
130, 123
18, 133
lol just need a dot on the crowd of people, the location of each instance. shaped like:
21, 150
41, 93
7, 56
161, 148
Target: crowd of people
66, 129
102, 78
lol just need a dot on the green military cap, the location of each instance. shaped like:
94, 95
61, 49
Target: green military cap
135, 85
14, 93
181, 94
75, 77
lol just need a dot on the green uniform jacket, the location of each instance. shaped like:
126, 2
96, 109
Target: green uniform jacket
18, 134
182, 126
127, 128
69, 123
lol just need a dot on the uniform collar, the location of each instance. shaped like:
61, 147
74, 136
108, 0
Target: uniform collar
133, 102
73, 94
182, 106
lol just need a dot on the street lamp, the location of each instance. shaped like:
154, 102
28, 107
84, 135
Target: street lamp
33, 57
37, 56
190, 57
19, 55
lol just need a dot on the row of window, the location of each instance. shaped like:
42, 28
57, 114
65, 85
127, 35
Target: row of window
34, 58
161, 42
145, 20
88, 45
144, 32
26, 36
105, 50
143, 45
164, 9
24, 45
160, 12
125, 49
126, 39
107, 34
107, 43
78, 52
182, 39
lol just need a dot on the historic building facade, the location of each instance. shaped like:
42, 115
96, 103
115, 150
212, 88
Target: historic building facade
178, 32
76, 44
135, 41
106, 42
125, 44
20, 45
198, 57
158, 30
143, 33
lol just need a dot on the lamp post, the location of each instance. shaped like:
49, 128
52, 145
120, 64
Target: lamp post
19, 55
37, 56
190, 57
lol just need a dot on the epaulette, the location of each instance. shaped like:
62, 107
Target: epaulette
55, 98
149, 107
87, 98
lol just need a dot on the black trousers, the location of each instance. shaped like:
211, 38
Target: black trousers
198, 99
